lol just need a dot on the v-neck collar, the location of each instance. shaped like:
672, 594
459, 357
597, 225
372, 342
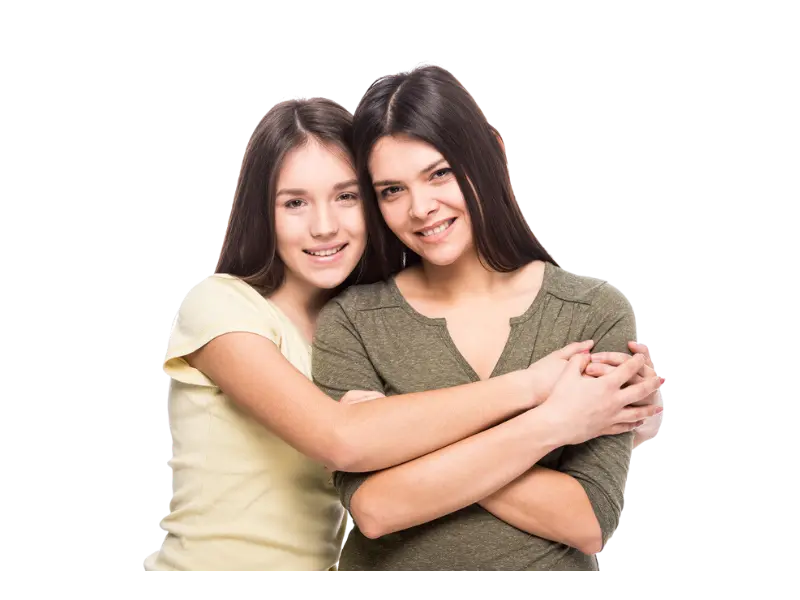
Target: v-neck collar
441, 323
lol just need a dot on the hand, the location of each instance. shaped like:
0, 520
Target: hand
356, 396
580, 408
545, 372
604, 362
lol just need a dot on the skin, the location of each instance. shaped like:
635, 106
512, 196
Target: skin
418, 195
366, 436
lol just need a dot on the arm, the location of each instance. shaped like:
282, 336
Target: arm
549, 504
446, 480
454, 477
578, 505
365, 436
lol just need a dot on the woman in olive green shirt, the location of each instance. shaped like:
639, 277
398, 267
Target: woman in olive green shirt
475, 296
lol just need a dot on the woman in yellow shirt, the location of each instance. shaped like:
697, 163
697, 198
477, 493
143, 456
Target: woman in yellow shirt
252, 435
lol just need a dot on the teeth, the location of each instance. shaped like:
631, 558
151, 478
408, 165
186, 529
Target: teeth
330, 252
438, 229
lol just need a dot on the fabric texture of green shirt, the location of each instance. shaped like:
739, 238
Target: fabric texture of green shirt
371, 338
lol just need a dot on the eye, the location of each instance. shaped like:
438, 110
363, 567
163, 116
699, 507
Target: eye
390, 191
348, 198
295, 203
440, 173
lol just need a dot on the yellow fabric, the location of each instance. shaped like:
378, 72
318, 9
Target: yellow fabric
243, 499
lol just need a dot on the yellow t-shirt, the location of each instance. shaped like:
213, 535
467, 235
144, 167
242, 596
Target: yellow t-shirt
243, 499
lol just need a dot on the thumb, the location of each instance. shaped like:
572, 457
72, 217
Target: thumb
574, 348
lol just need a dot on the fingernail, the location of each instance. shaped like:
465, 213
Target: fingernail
586, 351
662, 381
659, 410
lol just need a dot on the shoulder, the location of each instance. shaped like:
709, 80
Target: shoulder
598, 294
220, 299
358, 298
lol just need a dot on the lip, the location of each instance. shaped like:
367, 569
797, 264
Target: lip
436, 237
434, 224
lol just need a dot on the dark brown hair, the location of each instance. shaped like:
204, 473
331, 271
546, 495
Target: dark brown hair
431, 105
249, 250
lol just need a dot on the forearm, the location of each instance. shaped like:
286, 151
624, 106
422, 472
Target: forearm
548, 504
388, 431
451, 478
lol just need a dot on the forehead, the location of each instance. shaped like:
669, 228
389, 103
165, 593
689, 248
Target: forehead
315, 164
400, 156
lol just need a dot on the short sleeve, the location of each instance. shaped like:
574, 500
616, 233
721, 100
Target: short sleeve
217, 305
601, 464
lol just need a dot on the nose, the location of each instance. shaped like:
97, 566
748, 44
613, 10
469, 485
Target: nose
324, 222
423, 204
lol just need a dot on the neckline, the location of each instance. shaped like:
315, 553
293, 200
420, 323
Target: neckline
442, 321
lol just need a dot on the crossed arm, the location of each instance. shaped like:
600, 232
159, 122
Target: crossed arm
578, 503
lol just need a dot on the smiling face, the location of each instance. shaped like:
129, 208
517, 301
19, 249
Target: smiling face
319, 219
420, 199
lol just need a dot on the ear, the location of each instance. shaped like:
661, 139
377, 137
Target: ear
499, 140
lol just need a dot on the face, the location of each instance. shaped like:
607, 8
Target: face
319, 216
420, 199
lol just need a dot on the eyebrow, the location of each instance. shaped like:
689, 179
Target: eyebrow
433, 165
301, 192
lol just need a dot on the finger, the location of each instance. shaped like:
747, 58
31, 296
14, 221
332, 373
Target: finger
577, 363
617, 358
638, 413
640, 391
622, 428
574, 348
642, 349
626, 370
610, 358
599, 369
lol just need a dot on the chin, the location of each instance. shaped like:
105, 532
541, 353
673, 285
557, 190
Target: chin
441, 258
327, 281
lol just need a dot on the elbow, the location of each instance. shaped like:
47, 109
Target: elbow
591, 543
369, 519
593, 539
340, 456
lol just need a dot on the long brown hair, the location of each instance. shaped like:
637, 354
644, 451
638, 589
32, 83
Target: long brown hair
249, 250
431, 105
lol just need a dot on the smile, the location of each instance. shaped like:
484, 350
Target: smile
325, 252
436, 229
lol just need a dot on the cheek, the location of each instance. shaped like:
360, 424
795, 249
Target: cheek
353, 220
289, 231
395, 216
455, 199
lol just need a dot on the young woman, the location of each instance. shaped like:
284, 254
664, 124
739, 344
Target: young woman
252, 435
475, 296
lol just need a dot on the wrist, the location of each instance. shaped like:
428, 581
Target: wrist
545, 429
527, 391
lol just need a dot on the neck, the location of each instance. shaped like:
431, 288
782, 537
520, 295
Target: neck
300, 300
465, 277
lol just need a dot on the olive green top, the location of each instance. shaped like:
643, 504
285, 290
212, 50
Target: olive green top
371, 338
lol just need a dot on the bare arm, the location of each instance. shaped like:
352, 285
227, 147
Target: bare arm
471, 470
366, 436
449, 479
549, 504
